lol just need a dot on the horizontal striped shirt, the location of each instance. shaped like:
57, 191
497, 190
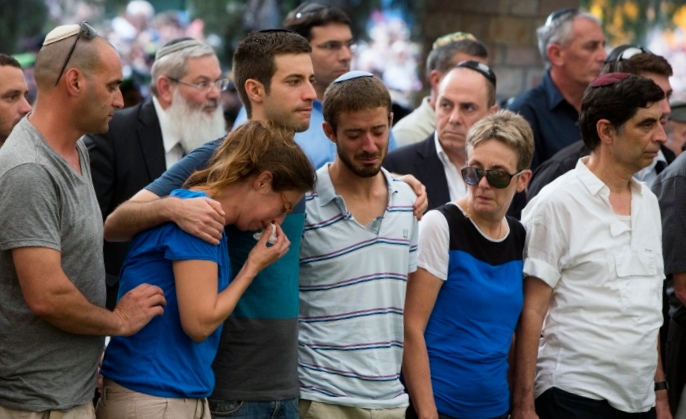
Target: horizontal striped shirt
352, 294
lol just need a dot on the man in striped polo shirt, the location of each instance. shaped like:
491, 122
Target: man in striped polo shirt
358, 246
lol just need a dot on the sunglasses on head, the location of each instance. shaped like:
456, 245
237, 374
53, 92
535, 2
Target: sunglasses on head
309, 8
557, 15
496, 178
625, 53
85, 30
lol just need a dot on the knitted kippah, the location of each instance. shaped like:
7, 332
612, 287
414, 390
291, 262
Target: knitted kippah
60, 33
175, 46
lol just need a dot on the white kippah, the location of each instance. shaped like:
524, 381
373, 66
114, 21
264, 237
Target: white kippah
176, 45
61, 32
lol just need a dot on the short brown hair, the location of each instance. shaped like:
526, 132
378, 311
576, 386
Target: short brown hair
354, 95
640, 64
8, 60
254, 58
251, 149
508, 128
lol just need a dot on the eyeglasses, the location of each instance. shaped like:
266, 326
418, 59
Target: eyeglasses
85, 30
559, 14
625, 52
497, 178
480, 68
334, 46
287, 206
205, 86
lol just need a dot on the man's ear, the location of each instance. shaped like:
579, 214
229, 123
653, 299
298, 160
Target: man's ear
74, 81
165, 90
493, 109
328, 131
435, 79
255, 90
606, 131
390, 120
555, 54
263, 181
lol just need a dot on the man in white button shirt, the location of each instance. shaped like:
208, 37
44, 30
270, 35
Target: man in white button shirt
145, 140
588, 331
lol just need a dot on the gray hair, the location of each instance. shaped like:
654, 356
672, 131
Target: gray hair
175, 65
441, 58
559, 32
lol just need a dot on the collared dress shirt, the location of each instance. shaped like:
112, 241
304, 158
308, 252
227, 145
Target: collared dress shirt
456, 185
553, 120
599, 337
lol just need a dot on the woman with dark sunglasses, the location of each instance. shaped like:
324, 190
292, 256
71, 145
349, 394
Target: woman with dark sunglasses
464, 300
164, 370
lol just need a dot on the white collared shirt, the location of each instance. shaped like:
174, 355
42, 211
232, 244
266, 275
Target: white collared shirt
599, 338
649, 174
456, 185
172, 144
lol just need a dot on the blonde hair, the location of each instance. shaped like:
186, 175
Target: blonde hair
508, 128
256, 147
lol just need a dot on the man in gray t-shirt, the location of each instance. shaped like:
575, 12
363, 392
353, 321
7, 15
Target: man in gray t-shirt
52, 279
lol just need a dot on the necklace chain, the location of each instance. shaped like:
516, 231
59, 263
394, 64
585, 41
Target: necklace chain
469, 215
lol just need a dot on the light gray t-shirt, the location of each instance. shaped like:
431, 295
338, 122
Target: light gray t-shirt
45, 203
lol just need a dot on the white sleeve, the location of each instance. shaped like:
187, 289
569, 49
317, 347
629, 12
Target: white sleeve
434, 244
545, 245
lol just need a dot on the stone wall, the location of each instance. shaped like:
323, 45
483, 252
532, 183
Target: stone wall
507, 27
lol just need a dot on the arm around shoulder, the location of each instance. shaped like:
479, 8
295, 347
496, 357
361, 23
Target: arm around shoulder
201, 217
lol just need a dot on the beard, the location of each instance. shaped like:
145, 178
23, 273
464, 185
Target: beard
363, 171
192, 125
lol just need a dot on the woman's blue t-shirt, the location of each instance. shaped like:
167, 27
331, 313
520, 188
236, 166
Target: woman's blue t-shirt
161, 360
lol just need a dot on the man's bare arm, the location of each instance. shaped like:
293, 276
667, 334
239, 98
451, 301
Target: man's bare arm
201, 217
536, 299
52, 296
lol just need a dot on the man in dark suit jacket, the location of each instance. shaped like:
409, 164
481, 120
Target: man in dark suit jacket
466, 95
421, 160
145, 140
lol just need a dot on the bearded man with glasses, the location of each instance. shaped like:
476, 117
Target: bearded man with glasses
143, 141
52, 274
587, 341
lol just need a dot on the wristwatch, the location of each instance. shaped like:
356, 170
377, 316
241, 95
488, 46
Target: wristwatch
661, 385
